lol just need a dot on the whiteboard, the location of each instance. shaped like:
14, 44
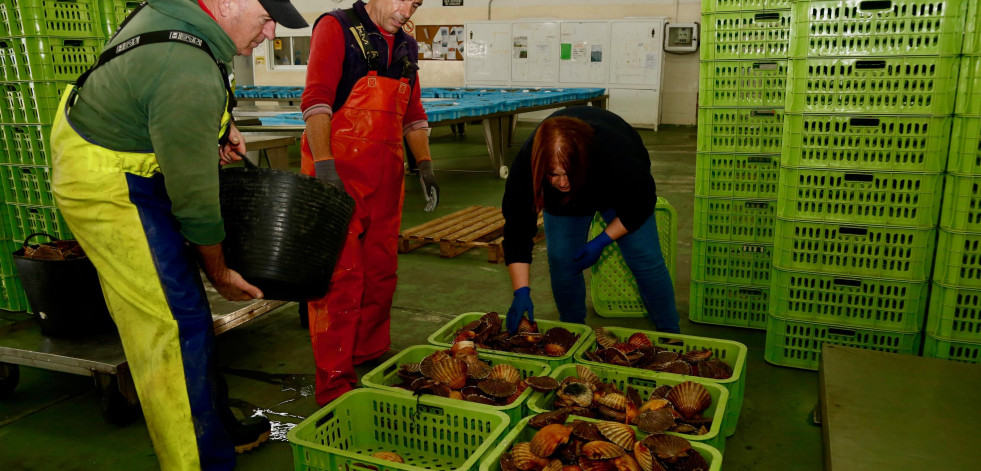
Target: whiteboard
487, 52
584, 56
535, 52
637, 50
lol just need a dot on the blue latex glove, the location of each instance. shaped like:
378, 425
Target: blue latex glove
590, 253
521, 304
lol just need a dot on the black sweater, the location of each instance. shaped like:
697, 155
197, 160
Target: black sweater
619, 178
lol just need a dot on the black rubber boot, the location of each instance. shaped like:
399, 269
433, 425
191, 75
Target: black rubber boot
246, 433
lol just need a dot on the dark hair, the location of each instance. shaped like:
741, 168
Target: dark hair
565, 142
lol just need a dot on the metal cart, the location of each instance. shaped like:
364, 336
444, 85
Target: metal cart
101, 356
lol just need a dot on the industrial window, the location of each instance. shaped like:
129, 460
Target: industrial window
289, 52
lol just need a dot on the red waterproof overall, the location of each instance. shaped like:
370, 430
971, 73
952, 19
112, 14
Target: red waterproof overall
351, 324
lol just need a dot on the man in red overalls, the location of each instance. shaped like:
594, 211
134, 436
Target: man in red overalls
362, 96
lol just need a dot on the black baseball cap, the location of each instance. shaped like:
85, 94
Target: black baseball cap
284, 13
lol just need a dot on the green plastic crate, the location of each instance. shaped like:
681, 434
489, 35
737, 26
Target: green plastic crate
26, 220
731, 263
12, 296
645, 384
969, 86
443, 337
878, 28
860, 197
612, 286
26, 144
7, 248
886, 85
946, 349
955, 313
46, 59
740, 130
753, 83
729, 305
965, 146
737, 175
797, 344
59, 18
735, 220
958, 261
712, 6
730, 352
746, 35
385, 376
30, 102
972, 29
898, 253
867, 303
524, 432
114, 12
867, 142
962, 203
427, 432
27, 185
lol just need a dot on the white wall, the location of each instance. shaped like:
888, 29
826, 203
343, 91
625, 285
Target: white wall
680, 87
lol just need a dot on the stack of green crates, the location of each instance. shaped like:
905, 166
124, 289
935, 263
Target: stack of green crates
870, 95
612, 287
742, 87
953, 323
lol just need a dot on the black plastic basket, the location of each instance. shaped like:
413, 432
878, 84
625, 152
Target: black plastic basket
283, 231
64, 294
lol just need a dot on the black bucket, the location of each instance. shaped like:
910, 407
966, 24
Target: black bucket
283, 231
64, 294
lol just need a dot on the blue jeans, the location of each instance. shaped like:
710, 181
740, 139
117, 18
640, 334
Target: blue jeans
641, 250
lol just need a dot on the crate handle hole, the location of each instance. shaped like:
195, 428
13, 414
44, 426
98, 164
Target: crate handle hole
672, 341
751, 292
323, 420
849, 230
764, 112
756, 159
859, 177
861, 65
767, 16
864, 122
73, 43
765, 65
875, 5
847, 282
365, 466
842, 332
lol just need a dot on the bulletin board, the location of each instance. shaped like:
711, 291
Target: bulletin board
535, 52
440, 42
584, 55
488, 51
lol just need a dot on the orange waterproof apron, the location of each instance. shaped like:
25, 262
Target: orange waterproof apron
351, 324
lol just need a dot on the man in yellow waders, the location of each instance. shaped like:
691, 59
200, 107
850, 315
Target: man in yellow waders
135, 161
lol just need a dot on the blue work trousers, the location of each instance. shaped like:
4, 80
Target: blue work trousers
641, 250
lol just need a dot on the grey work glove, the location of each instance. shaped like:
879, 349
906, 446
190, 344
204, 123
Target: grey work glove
429, 187
327, 172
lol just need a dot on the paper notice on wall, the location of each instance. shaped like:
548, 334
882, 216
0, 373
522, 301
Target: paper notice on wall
426, 50
596, 53
520, 47
566, 52
580, 51
544, 51
476, 48
651, 61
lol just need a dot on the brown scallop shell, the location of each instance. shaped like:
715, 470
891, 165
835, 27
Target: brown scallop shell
455, 395
527, 326
592, 356
466, 334
549, 438
462, 348
555, 465
642, 454
586, 431
666, 357
407, 375
620, 434
612, 414
542, 383
605, 338
721, 369
639, 339
410, 367
525, 459
626, 462
548, 418
505, 372
476, 368
518, 390
626, 348
697, 355
422, 383
586, 374
491, 318
554, 350
507, 462
684, 428
561, 336
690, 398
655, 421
451, 372
667, 447
615, 357
660, 392
614, 401
654, 403
677, 367
601, 450
497, 388
426, 365
578, 393
694, 461
388, 456
479, 399
596, 465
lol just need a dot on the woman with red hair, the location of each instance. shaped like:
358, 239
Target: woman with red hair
580, 161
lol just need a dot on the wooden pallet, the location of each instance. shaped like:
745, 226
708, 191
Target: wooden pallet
476, 226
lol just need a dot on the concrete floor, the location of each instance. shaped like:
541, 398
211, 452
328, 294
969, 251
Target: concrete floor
52, 420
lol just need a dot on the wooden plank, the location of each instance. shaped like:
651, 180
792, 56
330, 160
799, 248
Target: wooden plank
472, 227
474, 218
427, 227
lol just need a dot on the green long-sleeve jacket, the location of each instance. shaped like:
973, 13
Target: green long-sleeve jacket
168, 99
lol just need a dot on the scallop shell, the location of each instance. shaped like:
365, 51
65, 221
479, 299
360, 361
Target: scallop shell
625, 462
684, 428
601, 450
455, 395
527, 326
476, 368
578, 393
554, 350
497, 388
505, 372
721, 369
410, 367
620, 434
661, 392
693, 461
698, 355
507, 462
642, 454
422, 383
586, 374
465, 334
704, 369
491, 318
596, 465
690, 398
462, 348
561, 336
479, 399
451, 372
408, 375
549, 438
665, 357
555, 465
614, 401
388, 456
542, 383
667, 447
586, 431
640, 339
677, 367
605, 338
654, 403
426, 365
612, 414
655, 421
548, 418
615, 357
519, 389
625, 347
525, 459
441, 390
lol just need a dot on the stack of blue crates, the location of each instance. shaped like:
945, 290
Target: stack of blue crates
869, 103
742, 82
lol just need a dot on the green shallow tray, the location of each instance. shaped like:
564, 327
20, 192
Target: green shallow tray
427, 432
645, 383
523, 432
385, 376
732, 353
444, 337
